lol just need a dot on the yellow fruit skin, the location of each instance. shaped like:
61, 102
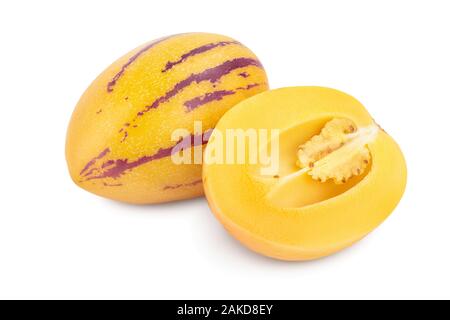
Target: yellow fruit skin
319, 228
119, 138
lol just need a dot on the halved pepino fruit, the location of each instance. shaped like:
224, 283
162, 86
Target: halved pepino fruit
328, 177
120, 138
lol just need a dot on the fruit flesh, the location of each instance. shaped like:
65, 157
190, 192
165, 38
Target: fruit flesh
303, 219
119, 139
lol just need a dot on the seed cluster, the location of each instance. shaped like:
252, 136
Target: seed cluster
336, 153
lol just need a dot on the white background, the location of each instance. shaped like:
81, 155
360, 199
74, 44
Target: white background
58, 241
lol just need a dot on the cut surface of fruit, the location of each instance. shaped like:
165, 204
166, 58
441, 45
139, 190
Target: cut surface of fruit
339, 175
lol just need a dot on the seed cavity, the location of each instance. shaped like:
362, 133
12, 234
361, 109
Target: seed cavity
338, 153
